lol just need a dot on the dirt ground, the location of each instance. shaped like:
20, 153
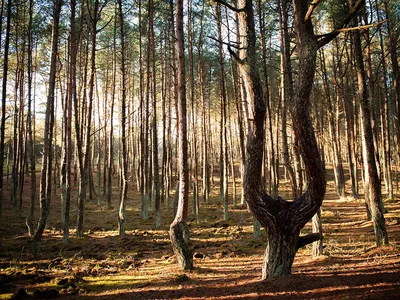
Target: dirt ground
228, 259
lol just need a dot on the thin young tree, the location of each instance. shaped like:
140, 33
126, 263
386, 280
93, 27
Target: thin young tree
124, 157
4, 99
66, 177
29, 122
45, 174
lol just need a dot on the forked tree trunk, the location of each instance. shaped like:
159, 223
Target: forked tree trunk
282, 220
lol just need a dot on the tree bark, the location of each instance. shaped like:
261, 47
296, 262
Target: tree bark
179, 231
3, 99
124, 158
281, 219
372, 186
45, 181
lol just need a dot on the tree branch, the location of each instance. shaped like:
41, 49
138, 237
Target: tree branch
238, 10
311, 9
330, 36
353, 28
308, 239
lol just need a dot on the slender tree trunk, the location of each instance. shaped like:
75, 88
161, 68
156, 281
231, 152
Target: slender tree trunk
67, 116
179, 231
372, 186
286, 88
223, 138
29, 122
3, 99
45, 182
124, 158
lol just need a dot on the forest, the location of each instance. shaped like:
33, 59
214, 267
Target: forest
171, 149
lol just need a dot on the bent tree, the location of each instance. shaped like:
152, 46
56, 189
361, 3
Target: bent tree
283, 219
179, 231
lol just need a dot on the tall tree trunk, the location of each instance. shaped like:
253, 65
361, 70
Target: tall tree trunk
179, 231
3, 99
45, 181
223, 137
124, 158
29, 122
156, 182
67, 122
372, 185
282, 220
286, 88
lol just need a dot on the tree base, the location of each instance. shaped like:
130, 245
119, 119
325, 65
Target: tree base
179, 240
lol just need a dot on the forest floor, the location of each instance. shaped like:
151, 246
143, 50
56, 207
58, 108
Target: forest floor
228, 259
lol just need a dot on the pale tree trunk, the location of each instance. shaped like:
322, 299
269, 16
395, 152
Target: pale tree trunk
333, 129
372, 185
193, 143
286, 88
179, 231
318, 246
223, 137
111, 132
45, 181
347, 105
272, 174
156, 182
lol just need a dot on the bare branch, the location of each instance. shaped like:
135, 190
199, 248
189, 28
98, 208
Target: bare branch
224, 43
361, 27
238, 10
308, 239
330, 36
311, 8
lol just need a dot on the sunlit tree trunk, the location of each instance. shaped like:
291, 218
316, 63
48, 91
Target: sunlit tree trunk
45, 181
179, 231
372, 184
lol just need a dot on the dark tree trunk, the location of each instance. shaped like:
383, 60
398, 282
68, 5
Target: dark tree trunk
282, 220
45, 181
29, 122
372, 185
179, 231
124, 158
3, 98
67, 142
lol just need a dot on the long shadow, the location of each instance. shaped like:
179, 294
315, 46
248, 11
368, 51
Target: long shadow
380, 286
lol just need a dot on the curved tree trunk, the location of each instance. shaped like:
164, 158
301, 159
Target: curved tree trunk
179, 231
282, 219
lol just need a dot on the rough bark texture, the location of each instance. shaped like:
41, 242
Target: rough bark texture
372, 185
179, 232
281, 219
